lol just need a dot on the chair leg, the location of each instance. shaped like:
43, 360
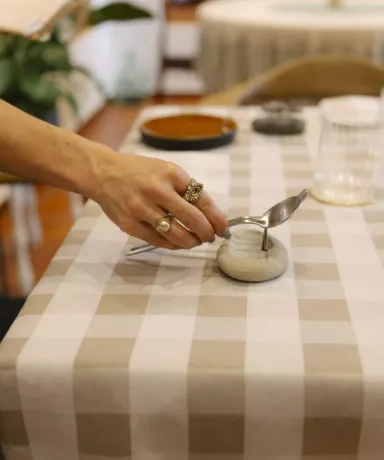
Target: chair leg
36, 234
9, 310
20, 238
3, 277
76, 204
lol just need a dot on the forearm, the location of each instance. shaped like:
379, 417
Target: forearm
43, 153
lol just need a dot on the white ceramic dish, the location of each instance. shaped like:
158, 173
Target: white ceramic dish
351, 110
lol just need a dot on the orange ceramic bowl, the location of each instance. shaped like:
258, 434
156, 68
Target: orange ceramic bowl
188, 132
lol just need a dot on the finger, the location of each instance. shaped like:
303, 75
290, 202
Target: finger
189, 216
205, 204
213, 213
145, 232
177, 235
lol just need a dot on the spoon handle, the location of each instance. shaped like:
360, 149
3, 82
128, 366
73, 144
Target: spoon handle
246, 220
140, 249
264, 246
232, 222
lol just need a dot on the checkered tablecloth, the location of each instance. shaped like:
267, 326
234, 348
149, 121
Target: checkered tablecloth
161, 358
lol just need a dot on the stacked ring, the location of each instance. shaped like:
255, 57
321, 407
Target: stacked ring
164, 224
193, 191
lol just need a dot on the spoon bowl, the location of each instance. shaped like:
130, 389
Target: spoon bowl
275, 216
281, 212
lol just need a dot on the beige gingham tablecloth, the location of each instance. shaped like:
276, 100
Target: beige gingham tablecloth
161, 358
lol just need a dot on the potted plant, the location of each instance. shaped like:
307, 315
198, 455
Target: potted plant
32, 72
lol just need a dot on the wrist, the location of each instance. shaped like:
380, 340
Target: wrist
89, 175
100, 164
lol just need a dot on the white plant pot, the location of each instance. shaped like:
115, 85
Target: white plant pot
133, 51
125, 57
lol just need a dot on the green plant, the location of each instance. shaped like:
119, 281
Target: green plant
31, 72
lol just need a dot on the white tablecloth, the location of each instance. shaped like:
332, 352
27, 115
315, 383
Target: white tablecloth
241, 38
159, 357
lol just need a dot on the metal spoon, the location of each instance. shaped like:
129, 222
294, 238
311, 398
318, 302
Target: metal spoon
277, 215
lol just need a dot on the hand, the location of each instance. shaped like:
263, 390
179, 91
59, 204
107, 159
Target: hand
136, 192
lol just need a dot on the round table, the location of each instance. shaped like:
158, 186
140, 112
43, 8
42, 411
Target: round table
242, 38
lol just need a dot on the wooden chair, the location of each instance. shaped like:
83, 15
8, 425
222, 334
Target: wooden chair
19, 18
5, 195
26, 226
310, 78
173, 13
27, 229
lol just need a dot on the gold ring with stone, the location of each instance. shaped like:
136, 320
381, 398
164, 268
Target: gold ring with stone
164, 224
193, 191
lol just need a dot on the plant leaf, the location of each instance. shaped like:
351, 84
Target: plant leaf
6, 45
87, 73
83, 70
71, 100
90, 75
6, 75
56, 56
39, 89
21, 49
50, 56
117, 12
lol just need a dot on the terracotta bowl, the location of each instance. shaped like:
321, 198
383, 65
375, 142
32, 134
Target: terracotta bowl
188, 132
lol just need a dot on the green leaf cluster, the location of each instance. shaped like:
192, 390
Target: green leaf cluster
30, 71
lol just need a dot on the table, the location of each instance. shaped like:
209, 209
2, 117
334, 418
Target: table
160, 357
242, 38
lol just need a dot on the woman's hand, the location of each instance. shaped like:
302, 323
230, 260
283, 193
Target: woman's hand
136, 192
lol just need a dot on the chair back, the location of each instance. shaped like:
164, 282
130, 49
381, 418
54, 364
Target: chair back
311, 78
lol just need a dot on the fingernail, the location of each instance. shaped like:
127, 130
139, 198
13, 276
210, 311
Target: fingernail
226, 233
212, 240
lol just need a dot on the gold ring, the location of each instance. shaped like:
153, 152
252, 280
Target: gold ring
193, 191
164, 224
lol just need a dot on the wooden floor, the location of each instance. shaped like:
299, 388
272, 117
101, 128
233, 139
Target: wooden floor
109, 127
